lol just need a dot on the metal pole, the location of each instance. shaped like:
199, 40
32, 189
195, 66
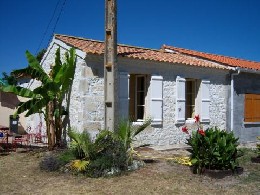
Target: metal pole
110, 64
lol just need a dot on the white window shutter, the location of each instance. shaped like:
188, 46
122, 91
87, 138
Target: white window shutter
123, 95
180, 99
205, 101
156, 105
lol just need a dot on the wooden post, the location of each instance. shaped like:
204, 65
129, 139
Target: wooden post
110, 64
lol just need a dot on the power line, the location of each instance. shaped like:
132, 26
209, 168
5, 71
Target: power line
49, 24
46, 30
58, 18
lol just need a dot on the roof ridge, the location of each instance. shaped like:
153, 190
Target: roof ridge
220, 55
119, 44
82, 38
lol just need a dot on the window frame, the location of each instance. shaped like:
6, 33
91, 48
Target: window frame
190, 93
136, 94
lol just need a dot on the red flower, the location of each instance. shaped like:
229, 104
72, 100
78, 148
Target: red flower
197, 118
201, 132
185, 129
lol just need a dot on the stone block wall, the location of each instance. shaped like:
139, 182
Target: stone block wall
87, 97
170, 133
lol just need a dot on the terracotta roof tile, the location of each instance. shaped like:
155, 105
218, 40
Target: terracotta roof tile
230, 61
97, 47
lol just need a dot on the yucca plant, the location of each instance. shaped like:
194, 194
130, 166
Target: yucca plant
127, 132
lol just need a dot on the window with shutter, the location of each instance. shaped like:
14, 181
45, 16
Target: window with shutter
180, 99
156, 105
138, 94
205, 101
252, 108
123, 95
188, 100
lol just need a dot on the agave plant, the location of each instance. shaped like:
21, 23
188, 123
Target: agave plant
48, 97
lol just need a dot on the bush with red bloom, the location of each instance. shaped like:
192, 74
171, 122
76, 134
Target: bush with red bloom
201, 132
197, 118
209, 151
185, 130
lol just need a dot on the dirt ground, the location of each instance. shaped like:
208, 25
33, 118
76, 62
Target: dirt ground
20, 174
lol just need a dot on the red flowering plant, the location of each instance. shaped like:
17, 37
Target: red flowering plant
211, 149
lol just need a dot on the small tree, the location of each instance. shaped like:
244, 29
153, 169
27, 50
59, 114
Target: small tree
48, 97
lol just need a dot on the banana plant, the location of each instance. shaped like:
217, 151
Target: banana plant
48, 97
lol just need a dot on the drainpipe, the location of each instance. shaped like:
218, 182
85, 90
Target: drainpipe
232, 96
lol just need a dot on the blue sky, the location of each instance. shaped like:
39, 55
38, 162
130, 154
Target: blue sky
227, 27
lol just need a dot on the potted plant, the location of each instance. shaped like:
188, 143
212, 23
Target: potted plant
257, 158
213, 151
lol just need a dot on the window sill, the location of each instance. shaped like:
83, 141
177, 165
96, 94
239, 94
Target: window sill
251, 123
190, 121
138, 123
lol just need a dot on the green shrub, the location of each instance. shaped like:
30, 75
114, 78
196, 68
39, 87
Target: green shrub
106, 153
110, 154
213, 149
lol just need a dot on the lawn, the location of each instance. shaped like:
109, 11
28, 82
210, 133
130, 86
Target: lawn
20, 174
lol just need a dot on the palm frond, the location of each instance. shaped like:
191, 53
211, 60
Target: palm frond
81, 142
79, 165
124, 131
142, 127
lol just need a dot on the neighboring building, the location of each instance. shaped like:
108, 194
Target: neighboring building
168, 85
8, 106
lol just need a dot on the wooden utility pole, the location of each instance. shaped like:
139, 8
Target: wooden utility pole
110, 64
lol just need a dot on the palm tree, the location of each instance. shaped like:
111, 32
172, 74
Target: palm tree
48, 97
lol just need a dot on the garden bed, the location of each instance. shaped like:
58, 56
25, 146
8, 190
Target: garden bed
220, 174
20, 174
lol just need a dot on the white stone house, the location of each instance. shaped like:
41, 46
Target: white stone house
169, 85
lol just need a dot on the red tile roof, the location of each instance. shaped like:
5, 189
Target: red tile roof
230, 61
97, 47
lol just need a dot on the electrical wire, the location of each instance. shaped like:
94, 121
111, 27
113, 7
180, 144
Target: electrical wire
48, 26
58, 18
51, 20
